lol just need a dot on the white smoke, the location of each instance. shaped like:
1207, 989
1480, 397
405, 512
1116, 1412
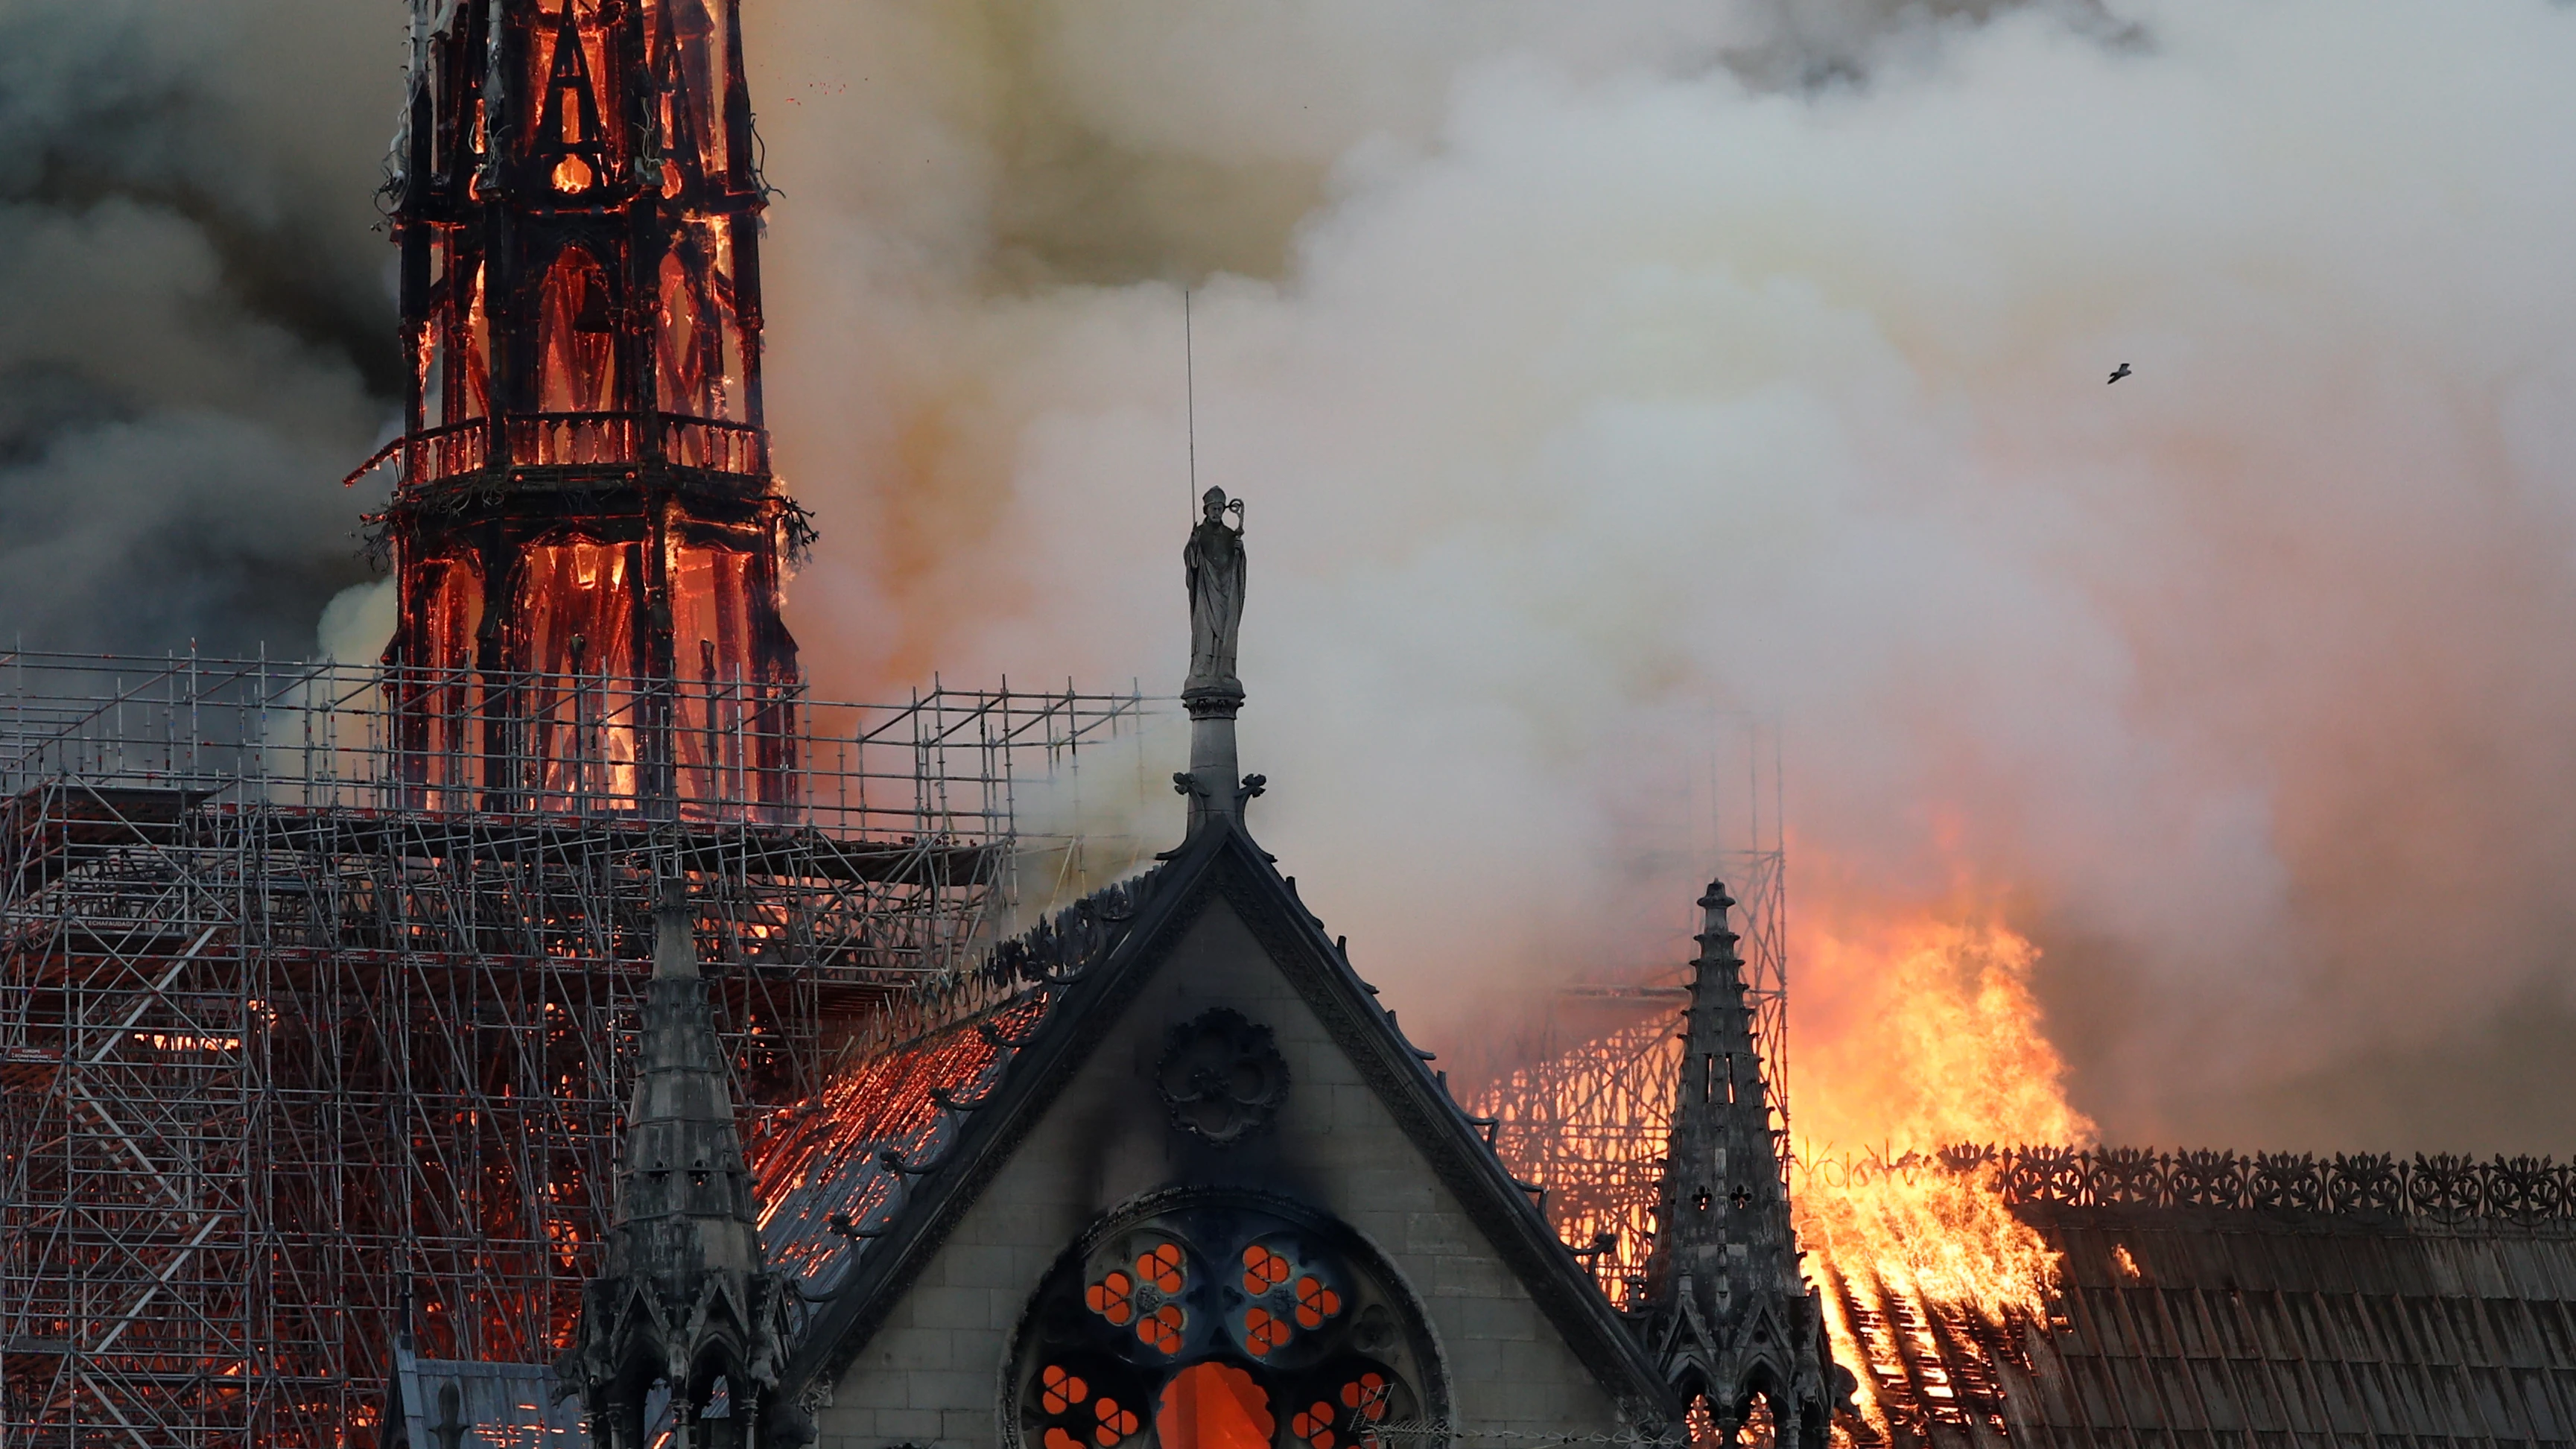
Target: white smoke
1589, 367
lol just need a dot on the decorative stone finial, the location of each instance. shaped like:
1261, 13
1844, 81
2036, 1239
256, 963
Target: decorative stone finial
1214, 564
684, 1297
675, 939
1728, 1314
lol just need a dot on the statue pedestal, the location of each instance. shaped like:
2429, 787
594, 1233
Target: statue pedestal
1213, 773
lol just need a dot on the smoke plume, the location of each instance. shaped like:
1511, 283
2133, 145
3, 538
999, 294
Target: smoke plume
1594, 370
1598, 375
198, 335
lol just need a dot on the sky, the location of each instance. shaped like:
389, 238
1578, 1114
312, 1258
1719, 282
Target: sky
1599, 377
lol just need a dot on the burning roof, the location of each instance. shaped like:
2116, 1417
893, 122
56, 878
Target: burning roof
2205, 1298
832, 1172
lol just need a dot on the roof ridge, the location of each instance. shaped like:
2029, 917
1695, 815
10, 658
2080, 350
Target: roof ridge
1048, 951
2506, 1188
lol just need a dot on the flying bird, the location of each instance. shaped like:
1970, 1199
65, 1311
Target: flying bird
2123, 372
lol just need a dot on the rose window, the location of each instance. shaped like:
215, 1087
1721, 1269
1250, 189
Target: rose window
1069, 1400
1207, 1320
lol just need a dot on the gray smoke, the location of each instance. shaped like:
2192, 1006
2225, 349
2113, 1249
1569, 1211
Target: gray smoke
1593, 369
196, 338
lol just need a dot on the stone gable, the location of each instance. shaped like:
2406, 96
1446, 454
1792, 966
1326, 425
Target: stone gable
934, 1373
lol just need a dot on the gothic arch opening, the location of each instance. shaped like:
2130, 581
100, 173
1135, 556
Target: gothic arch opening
576, 337
697, 342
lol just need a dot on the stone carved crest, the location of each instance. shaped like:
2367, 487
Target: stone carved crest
1221, 1076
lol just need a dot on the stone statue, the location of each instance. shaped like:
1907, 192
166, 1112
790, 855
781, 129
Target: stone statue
1214, 561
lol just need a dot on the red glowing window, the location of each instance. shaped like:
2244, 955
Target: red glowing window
697, 335
1060, 1391
1315, 1303
1263, 1270
1162, 1268
1058, 1439
1112, 1298
1314, 1424
1160, 1330
1263, 1332
576, 343
1213, 1406
689, 62
1367, 1396
1115, 1423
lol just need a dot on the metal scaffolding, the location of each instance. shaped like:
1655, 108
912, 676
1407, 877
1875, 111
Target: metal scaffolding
293, 1047
1588, 1121
1582, 1099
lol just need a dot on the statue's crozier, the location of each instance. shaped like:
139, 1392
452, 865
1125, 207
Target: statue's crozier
1214, 561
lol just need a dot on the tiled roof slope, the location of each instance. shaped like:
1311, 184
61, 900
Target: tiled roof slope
2203, 1318
832, 1173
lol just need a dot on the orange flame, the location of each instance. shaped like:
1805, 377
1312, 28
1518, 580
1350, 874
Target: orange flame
1917, 1029
1931, 1036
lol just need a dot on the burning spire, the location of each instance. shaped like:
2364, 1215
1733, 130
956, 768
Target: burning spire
1729, 1317
586, 530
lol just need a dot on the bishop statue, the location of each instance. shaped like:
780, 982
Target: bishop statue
1213, 559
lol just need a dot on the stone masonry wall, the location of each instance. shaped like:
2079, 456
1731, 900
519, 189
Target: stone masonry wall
933, 1376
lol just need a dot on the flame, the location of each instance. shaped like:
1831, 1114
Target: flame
1930, 1036
1917, 1030
1931, 1233
1926, 1034
2128, 1265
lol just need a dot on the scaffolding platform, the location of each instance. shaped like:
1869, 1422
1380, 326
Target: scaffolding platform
293, 1023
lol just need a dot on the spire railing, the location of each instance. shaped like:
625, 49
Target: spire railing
576, 440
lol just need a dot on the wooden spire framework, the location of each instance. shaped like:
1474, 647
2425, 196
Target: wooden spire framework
585, 498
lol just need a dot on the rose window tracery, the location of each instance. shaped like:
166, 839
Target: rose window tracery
1211, 1320
1067, 1398
1346, 1417
1281, 1298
